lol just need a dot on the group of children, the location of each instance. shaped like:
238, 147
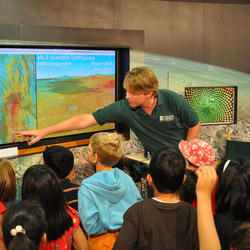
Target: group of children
108, 212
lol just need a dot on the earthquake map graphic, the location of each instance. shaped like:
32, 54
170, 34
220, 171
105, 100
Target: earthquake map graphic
17, 95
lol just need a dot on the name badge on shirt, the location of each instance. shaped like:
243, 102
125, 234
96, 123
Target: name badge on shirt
166, 118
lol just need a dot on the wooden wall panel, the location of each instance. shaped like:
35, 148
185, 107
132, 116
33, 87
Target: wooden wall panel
216, 33
172, 29
77, 13
227, 36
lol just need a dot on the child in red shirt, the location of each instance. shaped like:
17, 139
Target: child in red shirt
198, 153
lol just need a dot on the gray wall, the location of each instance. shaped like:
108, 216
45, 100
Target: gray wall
216, 34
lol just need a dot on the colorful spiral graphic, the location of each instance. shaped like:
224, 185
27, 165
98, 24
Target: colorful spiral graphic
214, 105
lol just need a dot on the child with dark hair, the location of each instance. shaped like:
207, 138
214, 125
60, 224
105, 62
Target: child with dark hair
240, 239
162, 222
187, 189
7, 190
61, 160
24, 226
105, 196
40, 183
232, 198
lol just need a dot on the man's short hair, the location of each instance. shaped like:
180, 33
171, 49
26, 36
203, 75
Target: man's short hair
167, 169
60, 159
141, 80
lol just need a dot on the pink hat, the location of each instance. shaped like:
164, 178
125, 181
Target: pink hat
198, 152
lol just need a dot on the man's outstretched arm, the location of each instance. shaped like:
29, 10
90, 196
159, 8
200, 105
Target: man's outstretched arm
74, 123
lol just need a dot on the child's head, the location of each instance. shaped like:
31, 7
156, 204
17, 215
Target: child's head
60, 159
24, 225
188, 188
40, 183
107, 147
167, 170
240, 239
233, 188
7, 181
198, 153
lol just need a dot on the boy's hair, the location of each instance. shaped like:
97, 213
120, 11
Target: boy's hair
7, 181
108, 147
40, 183
141, 80
233, 189
167, 169
30, 215
240, 239
188, 188
60, 159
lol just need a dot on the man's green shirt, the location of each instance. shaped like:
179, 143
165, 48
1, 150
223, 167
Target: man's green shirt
166, 126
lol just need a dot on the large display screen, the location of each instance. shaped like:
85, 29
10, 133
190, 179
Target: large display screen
214, 105
40, 87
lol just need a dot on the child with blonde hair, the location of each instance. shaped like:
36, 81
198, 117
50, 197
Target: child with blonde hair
7, 190
104, 197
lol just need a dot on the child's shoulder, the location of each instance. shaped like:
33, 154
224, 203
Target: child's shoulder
189, 206
144, 204
74, 185
67, 184
168, 205
152, 205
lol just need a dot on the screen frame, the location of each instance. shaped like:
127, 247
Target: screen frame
122, 59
